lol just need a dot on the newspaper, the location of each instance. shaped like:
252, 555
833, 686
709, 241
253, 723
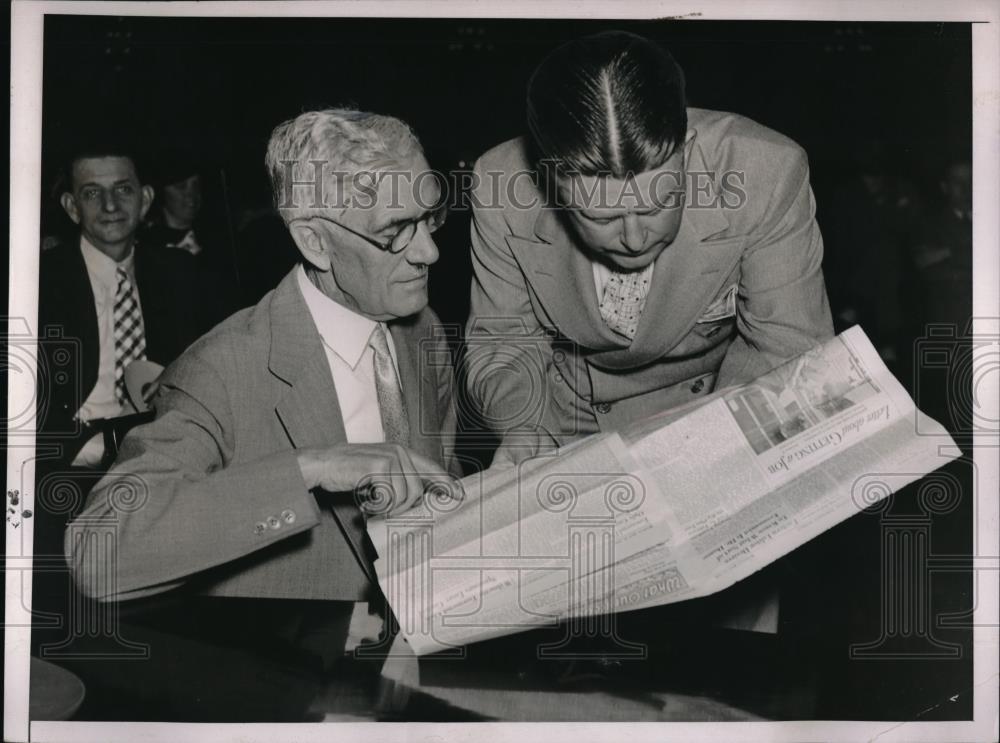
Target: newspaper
678, 506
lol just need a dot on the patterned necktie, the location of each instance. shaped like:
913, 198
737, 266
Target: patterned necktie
130, 337
395, 423
623, 300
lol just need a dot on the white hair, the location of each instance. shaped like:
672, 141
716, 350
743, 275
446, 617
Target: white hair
338, 141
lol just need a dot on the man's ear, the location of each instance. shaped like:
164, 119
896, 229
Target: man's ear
69, 206
310, 244
147, 200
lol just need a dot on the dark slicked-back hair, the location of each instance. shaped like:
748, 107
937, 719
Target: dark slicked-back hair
97, 144
607, 104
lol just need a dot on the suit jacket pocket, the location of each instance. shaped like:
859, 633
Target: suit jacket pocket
722, 308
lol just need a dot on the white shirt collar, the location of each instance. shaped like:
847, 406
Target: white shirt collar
344, 331
103, 268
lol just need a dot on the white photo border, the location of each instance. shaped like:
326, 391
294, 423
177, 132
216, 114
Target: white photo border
25, 159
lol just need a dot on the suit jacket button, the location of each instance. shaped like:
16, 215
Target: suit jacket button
288, 515
259, 527
603, 408
698, 386
274, 522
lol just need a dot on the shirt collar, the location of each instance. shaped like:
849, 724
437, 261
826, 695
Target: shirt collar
344, 331
103, 268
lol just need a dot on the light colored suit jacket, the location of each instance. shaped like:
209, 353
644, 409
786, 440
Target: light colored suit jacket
211, 492
738, 292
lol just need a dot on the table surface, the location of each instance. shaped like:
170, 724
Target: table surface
506, 680
56, 694
681, 675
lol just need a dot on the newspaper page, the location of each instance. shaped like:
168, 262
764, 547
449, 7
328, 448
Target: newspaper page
671, 510
503, 557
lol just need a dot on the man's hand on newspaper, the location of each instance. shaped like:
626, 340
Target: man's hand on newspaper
391, 476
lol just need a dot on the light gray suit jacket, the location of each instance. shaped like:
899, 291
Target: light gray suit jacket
211, 490
534, 312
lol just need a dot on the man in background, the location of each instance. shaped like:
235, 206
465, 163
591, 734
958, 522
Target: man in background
110, 299
185, 216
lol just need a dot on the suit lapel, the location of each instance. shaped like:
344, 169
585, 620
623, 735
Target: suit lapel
79, 298
309, 410
562, 278
157, 325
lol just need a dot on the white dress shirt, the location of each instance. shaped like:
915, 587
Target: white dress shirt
102, 402
345, 336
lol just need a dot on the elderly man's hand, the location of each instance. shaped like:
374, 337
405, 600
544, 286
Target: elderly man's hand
392, 477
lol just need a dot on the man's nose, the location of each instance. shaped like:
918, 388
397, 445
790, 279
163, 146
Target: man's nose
633, 236
422, 248
108, 201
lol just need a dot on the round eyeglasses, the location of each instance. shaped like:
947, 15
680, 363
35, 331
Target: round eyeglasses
403, 236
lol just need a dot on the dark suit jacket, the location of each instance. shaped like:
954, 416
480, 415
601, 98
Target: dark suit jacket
211, 492
739, 291
170, 295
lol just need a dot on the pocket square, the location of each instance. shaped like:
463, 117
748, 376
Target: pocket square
723, 307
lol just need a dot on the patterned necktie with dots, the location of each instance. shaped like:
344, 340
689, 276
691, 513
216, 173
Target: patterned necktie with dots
623, 301
129, 334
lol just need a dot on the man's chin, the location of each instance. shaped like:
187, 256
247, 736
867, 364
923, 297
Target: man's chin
114, 234
410, 307
621, 262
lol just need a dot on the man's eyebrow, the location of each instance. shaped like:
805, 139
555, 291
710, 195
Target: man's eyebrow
591, 215
400, 221
396, 222
95, 183
647, 210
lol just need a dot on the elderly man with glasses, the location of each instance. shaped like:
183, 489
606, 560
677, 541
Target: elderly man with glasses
254, 479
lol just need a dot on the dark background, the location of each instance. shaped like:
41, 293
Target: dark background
889, 99
841, 90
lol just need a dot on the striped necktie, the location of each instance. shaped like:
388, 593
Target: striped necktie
129, 334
